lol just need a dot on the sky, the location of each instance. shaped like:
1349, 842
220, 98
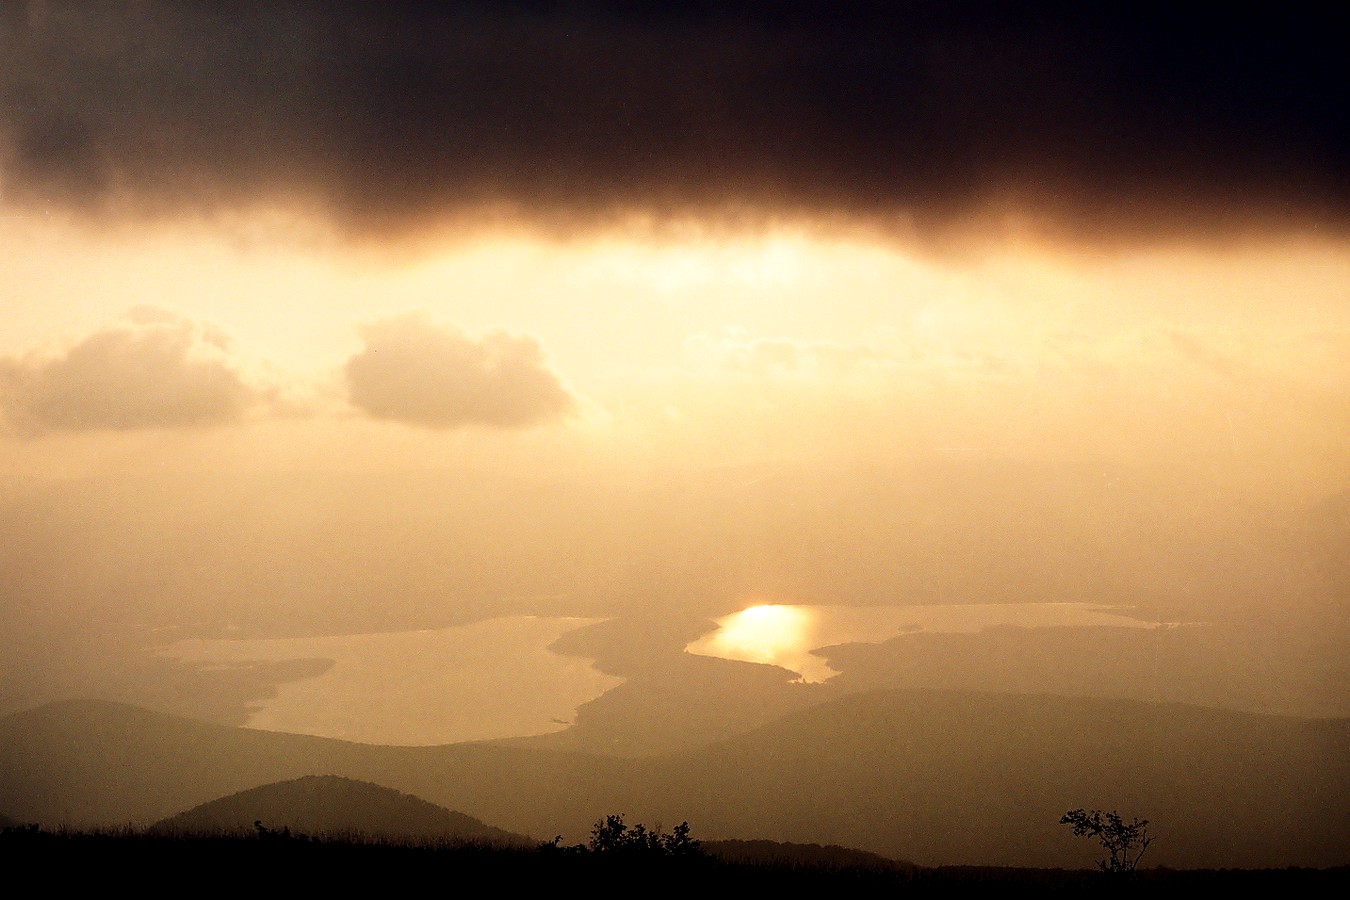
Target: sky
329, 320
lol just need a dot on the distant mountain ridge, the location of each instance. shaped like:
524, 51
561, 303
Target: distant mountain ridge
330, 805
936, 777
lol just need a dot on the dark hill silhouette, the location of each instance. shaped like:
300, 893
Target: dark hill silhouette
782, 854
329, 805
937, 777
952, 772
681, 702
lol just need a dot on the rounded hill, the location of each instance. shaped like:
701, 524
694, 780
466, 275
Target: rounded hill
332, 806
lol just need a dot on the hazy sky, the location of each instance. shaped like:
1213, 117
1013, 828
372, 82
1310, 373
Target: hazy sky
320, 319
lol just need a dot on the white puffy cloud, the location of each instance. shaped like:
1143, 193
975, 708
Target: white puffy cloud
154, 370
423, 372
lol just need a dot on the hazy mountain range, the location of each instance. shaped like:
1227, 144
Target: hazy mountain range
935, 777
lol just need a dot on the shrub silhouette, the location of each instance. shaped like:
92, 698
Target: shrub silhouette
611, 835
271, 834
1124, 842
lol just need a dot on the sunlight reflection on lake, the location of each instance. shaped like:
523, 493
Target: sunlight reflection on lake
785, 635
498, 679
491, 679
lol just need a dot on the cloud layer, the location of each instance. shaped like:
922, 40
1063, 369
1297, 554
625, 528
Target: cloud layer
154, 371
1108, 119
421, 372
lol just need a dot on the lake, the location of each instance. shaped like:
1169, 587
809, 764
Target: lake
497, 678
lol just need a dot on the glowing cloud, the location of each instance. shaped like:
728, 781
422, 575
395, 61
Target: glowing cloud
156, 370
422, 372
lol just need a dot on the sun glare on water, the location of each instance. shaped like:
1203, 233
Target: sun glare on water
769, 633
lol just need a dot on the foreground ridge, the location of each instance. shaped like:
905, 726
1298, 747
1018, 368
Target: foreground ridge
284, 860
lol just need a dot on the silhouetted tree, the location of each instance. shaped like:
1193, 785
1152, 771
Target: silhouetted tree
1124, 842
612, 835
679, 842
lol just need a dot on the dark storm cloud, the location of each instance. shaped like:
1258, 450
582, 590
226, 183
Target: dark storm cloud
417, 371
1110, 119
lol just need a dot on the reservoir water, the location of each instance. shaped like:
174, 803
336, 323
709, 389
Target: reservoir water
497, 678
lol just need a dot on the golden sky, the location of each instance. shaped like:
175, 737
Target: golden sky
794, 345
329, 321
